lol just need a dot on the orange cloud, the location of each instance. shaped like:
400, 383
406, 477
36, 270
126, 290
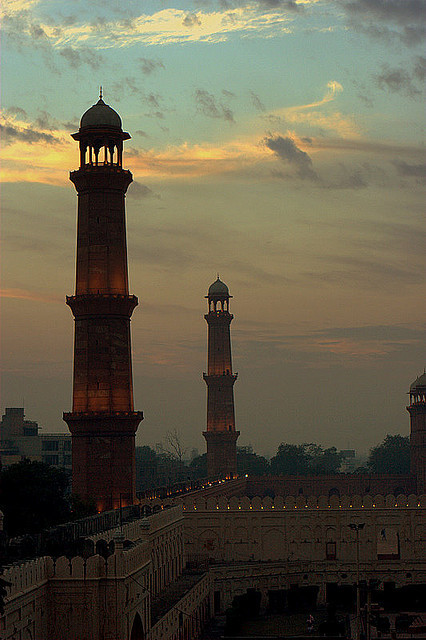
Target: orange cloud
24, 294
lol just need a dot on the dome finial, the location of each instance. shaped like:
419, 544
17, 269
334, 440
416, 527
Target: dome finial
100, 92
218, 275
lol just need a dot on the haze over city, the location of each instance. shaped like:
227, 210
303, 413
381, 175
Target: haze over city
277, 143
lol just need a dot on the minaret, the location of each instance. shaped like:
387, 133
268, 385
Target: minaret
417, 411
102, 422
221, 436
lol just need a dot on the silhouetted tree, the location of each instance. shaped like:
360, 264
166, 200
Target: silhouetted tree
305, 459
33, 496
198, 467
250, 463
391, 456
290, 460
146, 468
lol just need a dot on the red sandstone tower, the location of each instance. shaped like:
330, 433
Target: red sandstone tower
417, 411
102, 422
221, 436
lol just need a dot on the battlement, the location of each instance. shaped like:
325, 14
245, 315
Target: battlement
280, 503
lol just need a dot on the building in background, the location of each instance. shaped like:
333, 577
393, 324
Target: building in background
20, 438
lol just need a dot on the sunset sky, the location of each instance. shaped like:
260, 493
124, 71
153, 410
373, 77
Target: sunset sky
279, 143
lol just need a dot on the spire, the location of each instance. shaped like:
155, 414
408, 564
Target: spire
100, 92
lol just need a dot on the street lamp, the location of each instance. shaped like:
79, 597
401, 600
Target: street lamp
357, 528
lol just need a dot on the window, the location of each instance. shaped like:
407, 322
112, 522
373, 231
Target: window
49, 445
67, 445
330, 550
54, 460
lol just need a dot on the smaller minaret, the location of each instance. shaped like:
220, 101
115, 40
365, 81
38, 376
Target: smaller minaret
221, 436
417, 411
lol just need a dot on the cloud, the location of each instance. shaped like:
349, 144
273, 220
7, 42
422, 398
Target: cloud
258, 104
397, 81
137, 191
12, 133
166, 26
410, 170
286, 150
389, 19
24, 294
366, 272
149, 65
419, 70
207, 104
191, 20
78, 57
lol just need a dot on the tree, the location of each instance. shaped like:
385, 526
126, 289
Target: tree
173, 445
33, 496
146, 468
290, 459
305, 459
198, 467
250, 463
391, 456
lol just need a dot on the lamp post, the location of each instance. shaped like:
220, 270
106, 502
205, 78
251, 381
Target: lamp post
357, 528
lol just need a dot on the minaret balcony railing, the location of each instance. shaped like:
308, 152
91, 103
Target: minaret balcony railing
221, 377
99, 304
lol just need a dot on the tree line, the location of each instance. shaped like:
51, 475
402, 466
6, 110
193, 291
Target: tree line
34, 495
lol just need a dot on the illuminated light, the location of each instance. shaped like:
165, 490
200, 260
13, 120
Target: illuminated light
272, 507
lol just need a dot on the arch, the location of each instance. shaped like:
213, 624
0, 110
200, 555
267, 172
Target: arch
137, 629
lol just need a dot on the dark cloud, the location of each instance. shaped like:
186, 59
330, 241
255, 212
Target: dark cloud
374, 332
15, 111
397, 81
79, 57
286, 150
71, 126
190, 20
349, 180
289, 5
410, 170
141, 133
228, 94
155, 114
149, 65
258, 104
389, 19
207, 104
398, 11
137, 191
11, 133
419, 69
366, 272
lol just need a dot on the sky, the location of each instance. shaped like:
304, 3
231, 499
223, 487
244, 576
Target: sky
277, 143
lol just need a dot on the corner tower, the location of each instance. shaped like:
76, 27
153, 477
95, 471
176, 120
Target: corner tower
417, 411
221, 435
102, 422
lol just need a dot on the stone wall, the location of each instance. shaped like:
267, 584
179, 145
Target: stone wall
269, 544
361, 484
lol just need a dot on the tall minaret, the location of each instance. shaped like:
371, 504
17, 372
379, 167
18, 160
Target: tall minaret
417, 411
102, 422
221, 436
